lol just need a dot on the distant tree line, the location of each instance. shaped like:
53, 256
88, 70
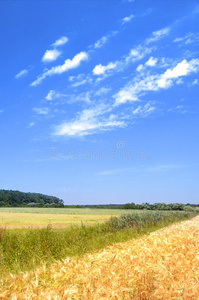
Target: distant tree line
9, 198
143, 206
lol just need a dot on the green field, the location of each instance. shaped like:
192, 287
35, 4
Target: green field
19, 217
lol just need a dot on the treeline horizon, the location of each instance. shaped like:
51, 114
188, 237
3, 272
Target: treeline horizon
11, 198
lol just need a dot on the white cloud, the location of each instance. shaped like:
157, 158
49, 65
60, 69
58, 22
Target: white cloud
115, 171
82, 97
68, 64
141, 84
1, 111
127, 19
50, 95
124, 95
179, 109
139, 68
63, 40
21, 74
144, 111
157, 168
51, 55
102, 91
80, 79
195, 82
188, 38
138, 53
183, 68
151, 62
101, 70
165, 168
100, 43
157, 35
53, 95
87, 122
31, 124
134, 55
41, 110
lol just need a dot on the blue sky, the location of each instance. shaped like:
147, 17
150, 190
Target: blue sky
99, 100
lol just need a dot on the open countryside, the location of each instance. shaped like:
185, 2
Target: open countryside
161, 265
99, 180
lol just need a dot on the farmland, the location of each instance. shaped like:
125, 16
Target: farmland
57, 217
41, 243
161, 265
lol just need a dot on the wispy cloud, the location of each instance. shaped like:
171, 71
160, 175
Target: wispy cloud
144, 111
31, 124
102, 41
81, 97
195, 82
41, 110
60, 42
179, 109
51, 55
52, 95
102, 91
187, 39
1, 111
116, 171
133, 56
141, 84
150, 169
68, 64
157, 35
139, 68
127, 19
80, 79
89, 121
138, 53
21, 74
165, 168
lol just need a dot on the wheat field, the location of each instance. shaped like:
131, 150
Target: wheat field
23, 217
161, 265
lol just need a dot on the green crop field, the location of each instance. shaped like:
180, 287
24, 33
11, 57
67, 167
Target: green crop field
57, 217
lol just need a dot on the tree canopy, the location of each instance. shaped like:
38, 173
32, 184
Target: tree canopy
17, 198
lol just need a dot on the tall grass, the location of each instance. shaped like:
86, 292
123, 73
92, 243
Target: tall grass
146, 219
25, 249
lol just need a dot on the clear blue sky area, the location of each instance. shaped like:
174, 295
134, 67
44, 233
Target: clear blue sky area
99, 100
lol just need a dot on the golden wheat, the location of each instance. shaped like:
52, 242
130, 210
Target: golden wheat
162, 265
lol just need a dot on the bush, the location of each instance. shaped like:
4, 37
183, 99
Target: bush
189, 208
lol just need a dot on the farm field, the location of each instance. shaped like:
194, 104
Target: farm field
161, 265
12, 218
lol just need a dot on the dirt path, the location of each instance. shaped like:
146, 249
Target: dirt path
162, 265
